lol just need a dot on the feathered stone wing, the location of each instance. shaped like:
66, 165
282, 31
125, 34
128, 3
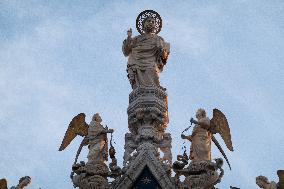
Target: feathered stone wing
3, 184
222, 127
77, 126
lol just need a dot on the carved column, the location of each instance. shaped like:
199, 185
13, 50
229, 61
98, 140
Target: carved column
148, 116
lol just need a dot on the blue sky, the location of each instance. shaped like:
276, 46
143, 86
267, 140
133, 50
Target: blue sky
60, 58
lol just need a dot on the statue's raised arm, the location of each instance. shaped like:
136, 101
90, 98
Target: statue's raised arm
147, 53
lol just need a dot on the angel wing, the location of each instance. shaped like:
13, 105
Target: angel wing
77, 126
3, 184
222, 127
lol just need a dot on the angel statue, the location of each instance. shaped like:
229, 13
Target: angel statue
202, 135
95, 135
23, 182
263, 182
147, 53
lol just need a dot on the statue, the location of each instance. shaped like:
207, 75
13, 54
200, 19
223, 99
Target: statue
202, 135
165, 147
23, 182
98, 149
147, 53
263, 182
92, 174
201, 171
95, 137
3, 184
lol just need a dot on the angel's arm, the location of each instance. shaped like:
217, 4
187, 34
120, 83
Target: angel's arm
186, 137
204, 122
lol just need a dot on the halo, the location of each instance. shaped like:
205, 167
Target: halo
145, 14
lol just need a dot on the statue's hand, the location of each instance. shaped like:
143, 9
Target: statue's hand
129, 33
165, 54
193, 121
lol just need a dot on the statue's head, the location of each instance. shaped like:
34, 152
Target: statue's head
149, 21
25, 181
261, 181
97, 118
200, 113
149, 25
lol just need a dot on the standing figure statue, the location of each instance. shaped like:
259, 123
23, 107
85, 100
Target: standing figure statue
202, 135
200, 148
92, 174
147, 53
97, 136
263, 182
23, 182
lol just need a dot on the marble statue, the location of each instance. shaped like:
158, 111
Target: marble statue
97, 136
263, 182
200, 148
202, 172
202, 134
92, 174
3, 184
147, 54
94, 135
23, 182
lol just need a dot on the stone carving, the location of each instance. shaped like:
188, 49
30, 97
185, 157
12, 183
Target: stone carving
147, 53
97, 140
280, 174
114, 168
92, 174
146, 156
129, 147
3, 184
202, 135
147, 113
263, 182
202, 173
182, 161
23, 182
165, 146
94, 135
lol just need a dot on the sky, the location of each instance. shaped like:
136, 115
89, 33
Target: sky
60, 58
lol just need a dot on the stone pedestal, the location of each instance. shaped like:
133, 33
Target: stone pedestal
201, 174
90, 176
147, 111
148, 119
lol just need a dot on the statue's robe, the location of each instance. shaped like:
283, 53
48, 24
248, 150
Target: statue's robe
144, 62
200, 148
98, 149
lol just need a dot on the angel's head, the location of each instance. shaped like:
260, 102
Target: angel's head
24, 181
200, 113
97, 118
261, 181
